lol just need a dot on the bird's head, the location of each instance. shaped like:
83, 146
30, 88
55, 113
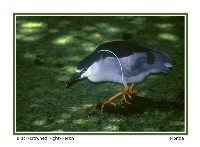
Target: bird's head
75, 77
83, 69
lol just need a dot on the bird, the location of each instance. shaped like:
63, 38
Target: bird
121, 62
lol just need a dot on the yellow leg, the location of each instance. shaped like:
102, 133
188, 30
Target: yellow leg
124, 99
129, 93
126, 91
110, 100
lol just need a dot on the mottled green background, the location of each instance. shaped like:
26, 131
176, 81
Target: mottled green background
48, 49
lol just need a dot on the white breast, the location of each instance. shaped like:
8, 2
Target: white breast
104, 70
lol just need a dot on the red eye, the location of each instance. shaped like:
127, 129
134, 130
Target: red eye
85, 69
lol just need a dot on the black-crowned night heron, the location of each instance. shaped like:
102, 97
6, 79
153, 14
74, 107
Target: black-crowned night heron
122, 62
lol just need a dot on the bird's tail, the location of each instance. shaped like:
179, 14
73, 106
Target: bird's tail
162, 62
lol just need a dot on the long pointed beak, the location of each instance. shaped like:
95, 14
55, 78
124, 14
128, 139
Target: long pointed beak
74, 79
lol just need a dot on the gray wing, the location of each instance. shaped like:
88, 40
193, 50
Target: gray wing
152, 61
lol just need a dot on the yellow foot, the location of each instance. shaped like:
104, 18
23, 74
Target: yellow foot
107, 102
129, 92
125, 99
101, 105
126, 91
